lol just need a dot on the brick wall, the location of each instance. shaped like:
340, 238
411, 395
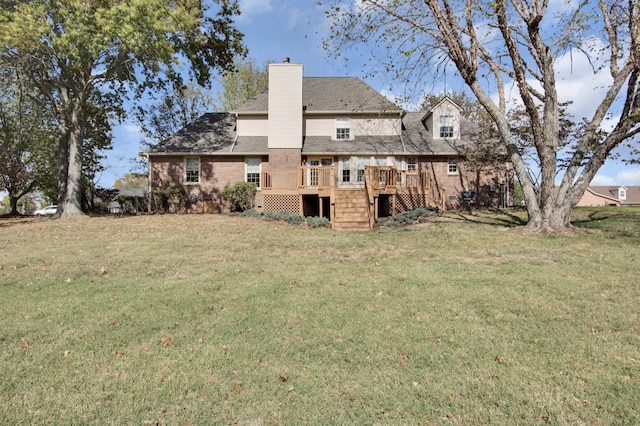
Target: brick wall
216, 173
283, 159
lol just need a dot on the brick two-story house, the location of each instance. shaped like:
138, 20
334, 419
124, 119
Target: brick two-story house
331, 147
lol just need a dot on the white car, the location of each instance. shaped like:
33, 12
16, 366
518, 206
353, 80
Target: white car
47, 211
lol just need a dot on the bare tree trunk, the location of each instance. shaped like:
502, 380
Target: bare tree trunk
72, 204
63, 169
13, 205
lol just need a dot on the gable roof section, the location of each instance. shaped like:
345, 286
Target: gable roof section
446, 99
329, 95
611, 192
210, 133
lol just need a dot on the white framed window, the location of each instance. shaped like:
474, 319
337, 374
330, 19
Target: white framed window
192, 170
253, 170
362, 162
446, 126
343, 128
346, 169
452, 166
412, 164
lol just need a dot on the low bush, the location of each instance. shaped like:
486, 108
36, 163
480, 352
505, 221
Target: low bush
240, 197
285, 216
408, 217
318, 222
251, 213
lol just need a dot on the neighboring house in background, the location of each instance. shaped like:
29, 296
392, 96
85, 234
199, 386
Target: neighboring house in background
596, 196
330, 147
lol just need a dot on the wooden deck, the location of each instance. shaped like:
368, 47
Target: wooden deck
353, 206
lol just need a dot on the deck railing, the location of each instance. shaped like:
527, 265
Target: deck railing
380, 178
306, 177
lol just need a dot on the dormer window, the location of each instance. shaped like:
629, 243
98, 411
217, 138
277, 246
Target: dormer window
622, 193
446, 126
343, 128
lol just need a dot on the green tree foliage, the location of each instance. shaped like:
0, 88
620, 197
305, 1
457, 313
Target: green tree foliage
69, 49
131, 181
26, 154
178, 107
503, 45
244, 83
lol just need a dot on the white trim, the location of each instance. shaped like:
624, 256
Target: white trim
453, 162
184, 175
246, 169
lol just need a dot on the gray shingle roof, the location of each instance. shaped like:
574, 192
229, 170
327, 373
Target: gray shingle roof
361, 145
210, 133
633, 193
215, 133
330, 94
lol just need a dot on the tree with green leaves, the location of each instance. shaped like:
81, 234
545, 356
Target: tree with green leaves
178, 107
507, 46
71, 48
131, 181
244, 83
26, 157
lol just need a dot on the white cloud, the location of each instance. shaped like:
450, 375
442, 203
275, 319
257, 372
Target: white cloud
612, 177
629, 177
602, 180
582, 80
251, 8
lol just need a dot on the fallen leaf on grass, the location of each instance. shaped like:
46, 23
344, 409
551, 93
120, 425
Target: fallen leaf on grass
25, 344
283, 378
288, 391
499, 359
166, 341
238, 387
66, 353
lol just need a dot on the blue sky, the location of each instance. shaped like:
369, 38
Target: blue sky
275, 29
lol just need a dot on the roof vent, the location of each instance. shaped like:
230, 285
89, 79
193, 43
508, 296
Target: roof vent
286, 60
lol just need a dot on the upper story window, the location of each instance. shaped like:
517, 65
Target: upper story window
343, 128
452, 167
192, 170
446, 126
253, 170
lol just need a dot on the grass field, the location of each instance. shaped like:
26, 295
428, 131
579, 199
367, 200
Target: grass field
204, 319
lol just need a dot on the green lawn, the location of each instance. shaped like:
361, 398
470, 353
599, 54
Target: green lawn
203, 319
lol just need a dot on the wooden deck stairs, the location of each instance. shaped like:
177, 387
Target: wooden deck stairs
351, 210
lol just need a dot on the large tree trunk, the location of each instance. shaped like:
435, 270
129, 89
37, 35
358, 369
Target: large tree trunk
13, 205
556, 219
72, 203
63, 168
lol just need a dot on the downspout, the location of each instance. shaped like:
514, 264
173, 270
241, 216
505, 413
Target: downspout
235, 140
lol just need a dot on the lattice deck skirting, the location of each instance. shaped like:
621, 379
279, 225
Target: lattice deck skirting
281, 202
406, 202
